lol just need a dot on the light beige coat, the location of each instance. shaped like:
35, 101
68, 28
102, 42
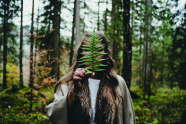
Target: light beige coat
57, 110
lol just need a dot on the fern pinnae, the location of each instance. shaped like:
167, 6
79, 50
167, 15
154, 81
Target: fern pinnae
90, 60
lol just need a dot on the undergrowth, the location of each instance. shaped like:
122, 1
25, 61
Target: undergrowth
166, 106
15, 106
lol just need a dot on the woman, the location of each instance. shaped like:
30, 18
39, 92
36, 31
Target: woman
98, 98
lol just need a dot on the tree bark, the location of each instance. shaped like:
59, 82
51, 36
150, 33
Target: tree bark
56, 40
59, 42
150, 80
147, 47
116, 45
127, 46
36, 47
162, 66
98, 16
77, 22
113, 27
72, 38
105, 22
1, 57
5, 46
140, 61
105, 16
21, 49
31, 55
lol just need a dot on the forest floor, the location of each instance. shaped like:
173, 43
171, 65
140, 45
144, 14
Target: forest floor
166, 106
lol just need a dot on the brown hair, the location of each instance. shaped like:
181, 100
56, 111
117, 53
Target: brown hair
109, 78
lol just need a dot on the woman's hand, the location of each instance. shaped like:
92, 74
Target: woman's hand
80, 77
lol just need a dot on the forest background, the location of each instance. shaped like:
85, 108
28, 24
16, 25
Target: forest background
147, 39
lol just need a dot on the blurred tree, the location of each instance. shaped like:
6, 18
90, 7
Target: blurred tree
9, 9
113, 19
127, 45
1, 57
56, 38
48, 35
163, 36
31, 79
77, 21
36, 47
105, 17
146, 74
72, 37
117, 47
177, 53
21, 49
98, 22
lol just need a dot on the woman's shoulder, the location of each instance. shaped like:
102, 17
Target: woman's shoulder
121, 80
64, 87
122, 87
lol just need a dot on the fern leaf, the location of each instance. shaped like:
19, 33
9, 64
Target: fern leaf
92, 53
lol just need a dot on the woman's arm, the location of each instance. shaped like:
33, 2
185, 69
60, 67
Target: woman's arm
128, 109
64, 99
79, 78
71, 98
57, 110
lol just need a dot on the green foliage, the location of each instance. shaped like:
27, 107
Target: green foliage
11, 6
177, 55
15, 106
12, 74
165, 107
92, 53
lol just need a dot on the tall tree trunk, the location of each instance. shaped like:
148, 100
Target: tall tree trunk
140, 69
59, 43
105, 16
31, 55
56, 39
1, 57
140, 39
150, 80
49, 53
162, 65
117, 36
98, 16
147, 47
21, 44
72, 38
113, 27
36, 46
5, 46
119, 33
105, 22
77, 22
127, 46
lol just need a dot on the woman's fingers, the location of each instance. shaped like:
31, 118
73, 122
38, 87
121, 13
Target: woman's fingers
80, 76
77, 78
80, 72
93, 73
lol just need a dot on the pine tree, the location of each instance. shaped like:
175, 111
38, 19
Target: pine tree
7, 15
31, 80
21, 44
127, 45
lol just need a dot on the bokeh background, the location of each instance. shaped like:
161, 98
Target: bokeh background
147, 39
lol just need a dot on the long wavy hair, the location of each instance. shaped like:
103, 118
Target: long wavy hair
109, 77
